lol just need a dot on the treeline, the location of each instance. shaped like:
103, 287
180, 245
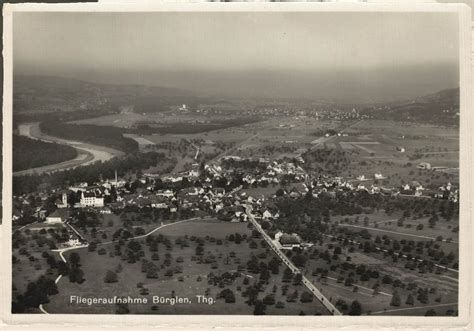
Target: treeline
29, 153
189, 128
89, 173
62, 116
107, 136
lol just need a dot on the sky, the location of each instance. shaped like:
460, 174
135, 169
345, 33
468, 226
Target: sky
364, 56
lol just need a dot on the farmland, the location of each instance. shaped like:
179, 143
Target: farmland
183, 273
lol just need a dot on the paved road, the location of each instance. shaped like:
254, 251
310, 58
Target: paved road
197, 148
329, 306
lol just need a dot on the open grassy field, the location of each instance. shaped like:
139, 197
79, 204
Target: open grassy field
403, 128
381, 224
188, 278
334, 284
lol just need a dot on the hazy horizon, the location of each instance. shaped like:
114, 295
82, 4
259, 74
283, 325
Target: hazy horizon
342, 56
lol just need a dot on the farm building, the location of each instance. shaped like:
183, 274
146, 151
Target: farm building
288, 241
424, 165
58, 216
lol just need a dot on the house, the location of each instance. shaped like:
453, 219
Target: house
159, 205
424, 165
189, 191
57, 217
165, 193
400, 149
172, 179
288, 241
106, 211
79, 187
378, 175
40, 213
91, 199
193, 173
266, 214
72, 242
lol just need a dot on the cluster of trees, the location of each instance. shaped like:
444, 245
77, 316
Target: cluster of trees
90, 173
29, 153
75, 273
354, 309
108, 136
37, 293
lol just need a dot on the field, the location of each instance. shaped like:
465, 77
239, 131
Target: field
381, 224
335, 284
183, 274
374, 146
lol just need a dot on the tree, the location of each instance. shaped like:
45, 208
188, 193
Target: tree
280, 192
410, 300
228, 295
199, 250
355, 309
430, 312
74, 259
395, 299
269, 300
259, 308
306, 297
76, 275
110, 277
122, 308
280, 305
297, 279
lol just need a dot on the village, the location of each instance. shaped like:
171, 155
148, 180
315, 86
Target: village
214, 189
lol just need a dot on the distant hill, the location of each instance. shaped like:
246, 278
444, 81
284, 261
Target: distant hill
448, 97
33, 94
441, 108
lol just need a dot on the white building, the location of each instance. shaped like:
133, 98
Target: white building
90, 199
165, 193
378, 176
57, 217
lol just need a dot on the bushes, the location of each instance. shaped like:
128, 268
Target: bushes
110, 277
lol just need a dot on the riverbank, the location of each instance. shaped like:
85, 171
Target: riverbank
87, 153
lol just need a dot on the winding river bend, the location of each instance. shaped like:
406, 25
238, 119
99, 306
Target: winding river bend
87, 153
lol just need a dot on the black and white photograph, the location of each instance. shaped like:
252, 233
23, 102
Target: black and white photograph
247, 162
